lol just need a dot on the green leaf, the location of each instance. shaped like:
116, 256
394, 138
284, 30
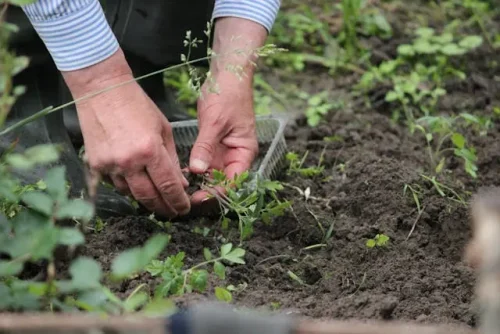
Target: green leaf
445, 38
382, 240
223, 295
452, 50
370, 243
440, 166
128, 263
155, 245
10, 268
391, 96
458, 140
425, 32
207, 254
199, 280
86, 273
55, 181
136, 259
406, 50
39, 202
220, 270
70, 236
225, 249
471, 42
75, 209
236, 256
39, 154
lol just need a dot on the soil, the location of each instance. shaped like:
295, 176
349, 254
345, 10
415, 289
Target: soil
419, 277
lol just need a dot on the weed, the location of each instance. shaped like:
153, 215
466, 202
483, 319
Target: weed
380, 240
318, 106
440, 130
296, 164
177, 281
417, 75
246, 196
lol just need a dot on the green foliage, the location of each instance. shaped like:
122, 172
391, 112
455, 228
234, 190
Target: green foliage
440, 131
318, 106
247, 196
380, 240
296, 164
417, 75
178, 281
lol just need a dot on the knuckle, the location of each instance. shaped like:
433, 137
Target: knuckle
206, 146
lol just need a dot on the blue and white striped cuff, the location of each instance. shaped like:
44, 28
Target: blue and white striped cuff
75, 40
260, 11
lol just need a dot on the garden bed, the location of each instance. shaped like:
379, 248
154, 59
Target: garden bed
290, 266
374, 178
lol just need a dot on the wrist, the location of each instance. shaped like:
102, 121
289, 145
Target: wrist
111, 71
236, 41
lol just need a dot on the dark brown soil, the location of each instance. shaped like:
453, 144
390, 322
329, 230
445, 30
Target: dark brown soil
419, 277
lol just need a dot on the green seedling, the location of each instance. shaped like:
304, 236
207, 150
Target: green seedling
380, 240
318, 106
247, 196
418, 74
416, 193
296, 165
177, 281
439, 131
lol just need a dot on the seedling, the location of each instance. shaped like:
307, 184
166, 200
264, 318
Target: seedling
380, 240
177, 281
246, 196
296, 164
318, 107
439, 131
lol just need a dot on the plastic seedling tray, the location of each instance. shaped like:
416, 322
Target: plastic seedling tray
270, 134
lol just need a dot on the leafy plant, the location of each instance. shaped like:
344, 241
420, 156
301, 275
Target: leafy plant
318, 106
296, 164
417, 75
380, 240
177, 281
247, 196
441, 130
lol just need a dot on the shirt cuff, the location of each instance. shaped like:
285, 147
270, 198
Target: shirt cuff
76, 37
260, 11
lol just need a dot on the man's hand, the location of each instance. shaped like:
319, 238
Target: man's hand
227, 138
127, 138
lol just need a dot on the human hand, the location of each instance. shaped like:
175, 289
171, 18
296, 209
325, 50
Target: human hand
227, 139
128, 139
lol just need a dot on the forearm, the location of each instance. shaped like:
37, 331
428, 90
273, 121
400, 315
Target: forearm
241, 27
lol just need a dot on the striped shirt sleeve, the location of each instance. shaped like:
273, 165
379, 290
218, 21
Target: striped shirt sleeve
260, 11
75, 32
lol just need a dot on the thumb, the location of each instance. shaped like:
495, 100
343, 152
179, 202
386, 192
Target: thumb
203, 151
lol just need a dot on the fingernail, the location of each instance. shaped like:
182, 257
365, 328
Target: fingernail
186, 182
199, 164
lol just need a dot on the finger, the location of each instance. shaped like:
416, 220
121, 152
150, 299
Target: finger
238, 160
204, 149
144, 191
165, 177
169, 143
120, 184
202, 196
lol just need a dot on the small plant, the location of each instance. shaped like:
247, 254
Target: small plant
318, 106
417, 75
247, 196
380, 240
439, 131
296, 164
177, 281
